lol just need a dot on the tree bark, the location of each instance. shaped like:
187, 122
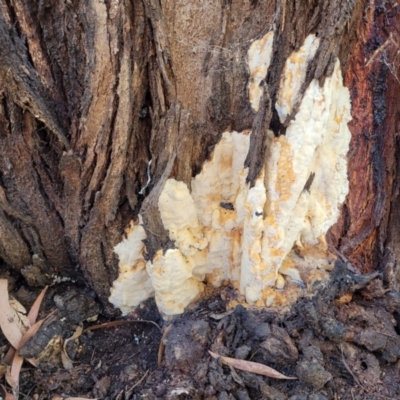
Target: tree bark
98, 96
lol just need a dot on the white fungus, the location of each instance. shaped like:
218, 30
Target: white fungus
173, 281
294, 75
133, 284
258, 59
226, 232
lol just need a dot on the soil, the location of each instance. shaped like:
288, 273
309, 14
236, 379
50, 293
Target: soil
342, 343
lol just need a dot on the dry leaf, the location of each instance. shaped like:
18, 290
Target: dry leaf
14, 323
7, 318
34, 311
13, 376
8, 396
67, 362
251, 366
3, 370
19, 314
31, 332
9, 356
17, 306
14, 383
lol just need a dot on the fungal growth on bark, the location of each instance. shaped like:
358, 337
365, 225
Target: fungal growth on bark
163, 148
268, 239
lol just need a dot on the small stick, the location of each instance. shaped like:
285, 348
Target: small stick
283, 15
351, 372
161, 348
386, 334
139, 381
119, 395
91, 359
117, 323
254, 353
357, 381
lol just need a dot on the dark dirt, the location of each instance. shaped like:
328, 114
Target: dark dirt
343, 343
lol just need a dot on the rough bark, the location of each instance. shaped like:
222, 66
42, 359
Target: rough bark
92, 91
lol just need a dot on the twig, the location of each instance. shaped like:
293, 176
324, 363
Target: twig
119, 395
254, 353
91, 359
162, 345
351, 372
153, 233
385, 334
139, 381
283, 15
30, 390
383, 397
117, 323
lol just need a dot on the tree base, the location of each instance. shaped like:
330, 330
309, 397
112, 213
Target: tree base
342, 341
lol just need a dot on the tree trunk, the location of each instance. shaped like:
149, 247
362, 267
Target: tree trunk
117, 115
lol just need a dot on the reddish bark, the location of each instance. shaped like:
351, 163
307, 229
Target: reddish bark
372, 76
